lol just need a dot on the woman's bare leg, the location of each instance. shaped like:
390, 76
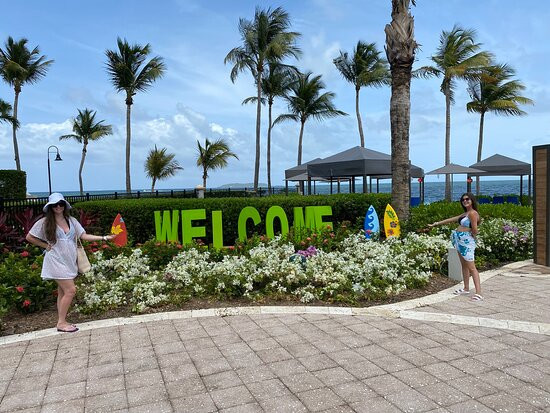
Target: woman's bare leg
475, 275
465, 272
68, 292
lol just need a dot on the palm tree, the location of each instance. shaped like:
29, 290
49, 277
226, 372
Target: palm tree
364, 68
213, 155
6, 112
18, 66
86, 130
265, 39
306, 101
400, 51
457, 57
130, 73
275, 83
495, 92
160, 165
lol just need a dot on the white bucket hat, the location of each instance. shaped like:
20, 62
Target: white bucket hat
54, 199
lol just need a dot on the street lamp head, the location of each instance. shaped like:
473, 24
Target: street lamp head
58, 158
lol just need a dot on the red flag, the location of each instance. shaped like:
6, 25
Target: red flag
119, 229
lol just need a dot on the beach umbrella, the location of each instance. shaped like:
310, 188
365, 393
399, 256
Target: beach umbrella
454, 169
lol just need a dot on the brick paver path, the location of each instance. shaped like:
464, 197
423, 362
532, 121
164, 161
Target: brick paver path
292, 363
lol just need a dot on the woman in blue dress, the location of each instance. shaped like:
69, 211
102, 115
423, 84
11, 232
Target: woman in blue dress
464, 240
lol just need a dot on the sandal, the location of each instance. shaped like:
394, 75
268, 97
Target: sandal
461, 291
477, 297
72, 329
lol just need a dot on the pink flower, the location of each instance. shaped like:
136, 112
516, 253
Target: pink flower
308, 239
231, 247
157, 244
25, 254
26, 303
105, 247
19, 289
179, 246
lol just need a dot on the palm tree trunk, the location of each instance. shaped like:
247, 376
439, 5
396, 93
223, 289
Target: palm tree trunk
153, 184
204, 176
269, 151
81, 168
447, 140
128, 138
14, 129
258, 121
359, 117
300, 151
479, 148
400, 108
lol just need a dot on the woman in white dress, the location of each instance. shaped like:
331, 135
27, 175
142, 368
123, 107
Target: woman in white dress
57, 233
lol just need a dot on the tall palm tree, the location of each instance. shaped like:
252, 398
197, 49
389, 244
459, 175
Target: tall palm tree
457, 57
495, 92
6, 114
364, 68
214, 155
400, 51
160, 165
306, 101
85, 130
275, 83
18, 66
129, 72
265, 39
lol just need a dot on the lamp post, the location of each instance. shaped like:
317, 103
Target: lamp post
57, 158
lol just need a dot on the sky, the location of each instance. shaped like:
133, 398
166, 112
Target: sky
196, 98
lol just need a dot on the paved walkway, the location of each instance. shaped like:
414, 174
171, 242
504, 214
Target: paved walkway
440, 354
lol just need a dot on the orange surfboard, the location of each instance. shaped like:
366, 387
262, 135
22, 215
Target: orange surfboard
119, 229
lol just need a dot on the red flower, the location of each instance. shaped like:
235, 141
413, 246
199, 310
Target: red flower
105, 247
19, 289
26, 303
179, 246
25, 254
308, 239
94, 249
231, 247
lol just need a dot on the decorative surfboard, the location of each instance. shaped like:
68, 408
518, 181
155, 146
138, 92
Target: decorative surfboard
372, 223
119, 229
391, 223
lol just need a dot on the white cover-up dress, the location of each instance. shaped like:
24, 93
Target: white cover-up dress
60, 261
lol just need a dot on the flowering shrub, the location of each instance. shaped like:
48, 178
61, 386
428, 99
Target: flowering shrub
502, 240
358, 269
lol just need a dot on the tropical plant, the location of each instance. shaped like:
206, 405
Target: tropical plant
214, 155
6, 114
457, 57
265, 40
495, 92
364, 68
130, 73
306, 101
160, 165
400, 51
18, 66
275, 83
85, 130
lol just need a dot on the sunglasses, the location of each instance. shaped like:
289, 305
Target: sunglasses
465, 199
59, 204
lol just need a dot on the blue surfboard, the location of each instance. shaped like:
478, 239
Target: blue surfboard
372, 223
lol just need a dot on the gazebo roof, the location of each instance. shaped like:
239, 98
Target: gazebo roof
298, 170
356, 161
500, 165
454, 169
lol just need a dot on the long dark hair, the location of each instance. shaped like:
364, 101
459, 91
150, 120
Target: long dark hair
50, 224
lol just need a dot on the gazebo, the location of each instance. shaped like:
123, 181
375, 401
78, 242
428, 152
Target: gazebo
355, 162
500, 165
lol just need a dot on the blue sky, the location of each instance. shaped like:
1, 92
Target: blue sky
196, 98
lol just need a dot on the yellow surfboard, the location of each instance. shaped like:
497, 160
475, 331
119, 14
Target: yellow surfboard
391, 223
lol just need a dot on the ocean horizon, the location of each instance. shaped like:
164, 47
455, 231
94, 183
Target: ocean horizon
433, 191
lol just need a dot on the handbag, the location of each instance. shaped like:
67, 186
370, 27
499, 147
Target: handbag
82, 262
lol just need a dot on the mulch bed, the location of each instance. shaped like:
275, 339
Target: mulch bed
16, 323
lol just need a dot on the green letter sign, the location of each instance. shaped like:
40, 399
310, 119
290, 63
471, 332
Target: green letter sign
272, 213
246, 214
189, 231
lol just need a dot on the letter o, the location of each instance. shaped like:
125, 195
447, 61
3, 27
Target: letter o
272, 213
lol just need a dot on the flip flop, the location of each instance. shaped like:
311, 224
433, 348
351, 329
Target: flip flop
74, 329
477, 297
461, 291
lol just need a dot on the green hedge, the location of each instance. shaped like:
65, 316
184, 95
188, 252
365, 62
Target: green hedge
138, 214
13, 183
423, 215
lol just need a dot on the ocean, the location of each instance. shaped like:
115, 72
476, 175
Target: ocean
433, 191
